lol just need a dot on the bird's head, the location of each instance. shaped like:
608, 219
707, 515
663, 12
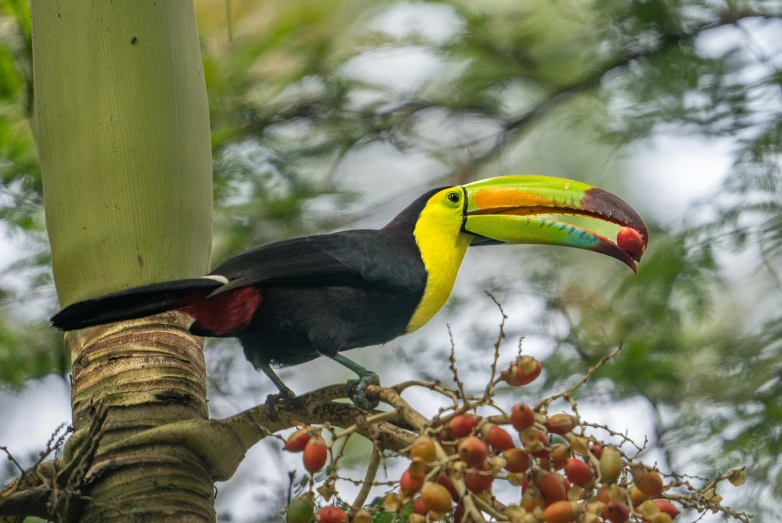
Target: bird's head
529, 209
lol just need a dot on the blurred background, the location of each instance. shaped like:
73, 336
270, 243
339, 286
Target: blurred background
335, 114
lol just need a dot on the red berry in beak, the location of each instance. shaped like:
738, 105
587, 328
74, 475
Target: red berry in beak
631, 241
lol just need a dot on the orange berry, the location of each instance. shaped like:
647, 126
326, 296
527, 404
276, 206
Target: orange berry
616, 512
636, 496
462, 425
530, 502
561, 423
516, 460
297, 441
551, 486
423, 447
596, 450
410, 484
648, 481
315, 454
578, 472
561, 512
603, 494
436, 497
560, 453
522, 416
417, 467
473, 451
332, 515
667, 507
497, 437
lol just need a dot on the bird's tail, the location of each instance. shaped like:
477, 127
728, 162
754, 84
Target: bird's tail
133, 303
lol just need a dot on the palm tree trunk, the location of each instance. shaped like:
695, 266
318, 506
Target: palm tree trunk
122, 124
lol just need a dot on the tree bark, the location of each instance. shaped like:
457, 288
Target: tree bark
122, 123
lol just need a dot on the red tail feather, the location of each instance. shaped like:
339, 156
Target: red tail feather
226, 312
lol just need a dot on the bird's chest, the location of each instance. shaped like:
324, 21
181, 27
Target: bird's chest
442, 257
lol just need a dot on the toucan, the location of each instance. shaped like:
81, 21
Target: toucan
295, 300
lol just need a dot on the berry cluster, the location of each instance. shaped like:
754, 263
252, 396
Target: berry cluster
564, 473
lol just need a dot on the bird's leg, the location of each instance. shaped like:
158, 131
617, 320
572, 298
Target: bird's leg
356, 388
271, 399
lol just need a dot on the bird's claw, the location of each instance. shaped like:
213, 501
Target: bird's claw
357, 391
271, 402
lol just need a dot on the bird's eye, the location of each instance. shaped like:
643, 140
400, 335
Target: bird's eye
453, 197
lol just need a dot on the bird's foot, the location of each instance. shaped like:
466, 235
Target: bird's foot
357, 390
272, 400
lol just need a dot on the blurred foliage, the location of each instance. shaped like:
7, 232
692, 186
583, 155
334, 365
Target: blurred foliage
291, 105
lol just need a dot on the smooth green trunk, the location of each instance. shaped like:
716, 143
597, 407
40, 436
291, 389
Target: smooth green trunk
123, 133
122, 123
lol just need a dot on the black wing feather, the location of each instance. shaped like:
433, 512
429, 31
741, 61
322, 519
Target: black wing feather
355, 258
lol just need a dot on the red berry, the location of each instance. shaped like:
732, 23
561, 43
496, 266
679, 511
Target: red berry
315, 454
462, 425
523, 372
479, 479
458, 513
552, 487
497, 437
297, 441
332, 515
410, 484
446, 482
516, 460
522, 416
578, 472
419, 507
473, 451
616, 512
631, 241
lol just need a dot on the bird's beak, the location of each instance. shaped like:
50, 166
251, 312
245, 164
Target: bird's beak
526, 209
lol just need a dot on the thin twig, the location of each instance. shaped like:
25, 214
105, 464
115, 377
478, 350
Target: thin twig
489, 391
12, 459
454, 371
544, 404
369, 478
